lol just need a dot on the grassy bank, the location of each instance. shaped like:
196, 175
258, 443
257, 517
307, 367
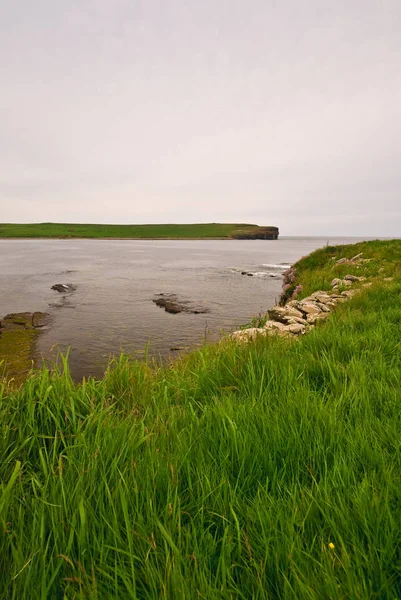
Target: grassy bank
185, 231
268, 470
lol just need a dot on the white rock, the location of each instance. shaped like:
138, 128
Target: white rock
294, 320
352, 278
246, 335
323, 299
278, 313
274, 325
297, 329
310, 308
316, 317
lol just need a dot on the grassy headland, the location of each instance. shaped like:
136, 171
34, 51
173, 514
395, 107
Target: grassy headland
185, 231
268, 470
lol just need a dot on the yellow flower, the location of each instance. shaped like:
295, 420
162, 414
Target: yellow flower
331, 546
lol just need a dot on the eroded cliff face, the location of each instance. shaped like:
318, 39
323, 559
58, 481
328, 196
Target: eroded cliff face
261, 233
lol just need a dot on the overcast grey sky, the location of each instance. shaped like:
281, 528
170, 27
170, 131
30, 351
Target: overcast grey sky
273, 112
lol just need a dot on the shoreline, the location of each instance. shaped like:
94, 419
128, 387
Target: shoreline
292, 322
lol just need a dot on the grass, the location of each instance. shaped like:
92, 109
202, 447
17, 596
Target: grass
380, 259
184, 231
269, 470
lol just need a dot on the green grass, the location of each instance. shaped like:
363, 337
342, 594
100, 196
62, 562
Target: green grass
75, 230
380, 260
227, 474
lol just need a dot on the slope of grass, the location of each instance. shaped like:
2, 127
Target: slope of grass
74, 230
268, 470
379, 260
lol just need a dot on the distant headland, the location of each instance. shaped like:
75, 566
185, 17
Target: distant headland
236, 231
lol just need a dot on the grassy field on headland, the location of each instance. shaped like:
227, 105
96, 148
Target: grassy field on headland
268, 470
184, 231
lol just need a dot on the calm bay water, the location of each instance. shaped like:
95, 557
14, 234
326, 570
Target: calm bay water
112, 309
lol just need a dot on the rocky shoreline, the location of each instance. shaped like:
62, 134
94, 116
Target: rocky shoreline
293, 317
18, 336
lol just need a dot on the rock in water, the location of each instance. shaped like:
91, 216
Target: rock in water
173, 305
63, 288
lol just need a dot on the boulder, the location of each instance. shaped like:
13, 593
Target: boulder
312, 318
335, 282
25, 320
280, 313
297, 329
310, 308
326, 307
64, 288
353, 278
173, 305
40, 319
274, 325
246, 335
345, 261
322, 298
294, 320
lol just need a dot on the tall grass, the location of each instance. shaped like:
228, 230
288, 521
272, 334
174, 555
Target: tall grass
271, 470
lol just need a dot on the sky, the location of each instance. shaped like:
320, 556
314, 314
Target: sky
275, 112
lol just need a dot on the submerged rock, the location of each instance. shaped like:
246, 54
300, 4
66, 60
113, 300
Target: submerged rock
64, 288
24, 320
173, 305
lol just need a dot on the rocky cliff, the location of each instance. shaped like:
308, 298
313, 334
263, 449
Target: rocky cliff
260, 233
